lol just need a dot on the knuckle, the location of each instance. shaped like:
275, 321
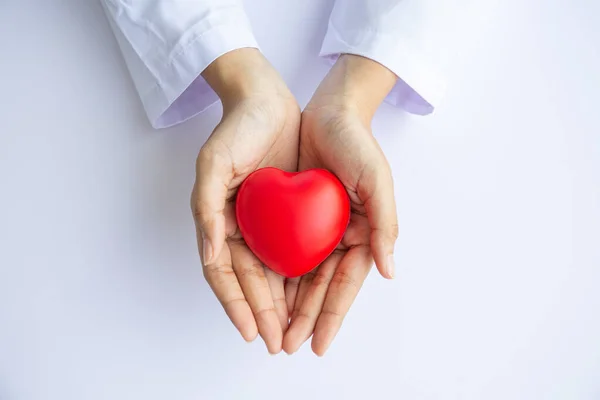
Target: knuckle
301, 313
321, 281
388, 233
333, 313
205, 157
292, 283
200, 210
218, 273
264, 312
344, 279
228, 303
383, 178
280, 301
384, 166
251, 271
309, 277
214, 155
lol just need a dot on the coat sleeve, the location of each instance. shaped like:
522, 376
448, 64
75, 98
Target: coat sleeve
167, 45
393, 33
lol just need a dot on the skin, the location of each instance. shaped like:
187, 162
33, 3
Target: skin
336, 135
262, 126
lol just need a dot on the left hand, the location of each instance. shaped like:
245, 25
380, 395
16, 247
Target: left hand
335, 135
259, 128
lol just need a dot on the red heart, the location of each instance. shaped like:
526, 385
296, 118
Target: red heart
292, 221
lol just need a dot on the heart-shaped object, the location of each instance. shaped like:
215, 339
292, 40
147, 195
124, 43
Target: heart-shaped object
292, 221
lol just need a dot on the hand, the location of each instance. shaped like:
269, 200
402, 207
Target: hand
259, 128
336, 135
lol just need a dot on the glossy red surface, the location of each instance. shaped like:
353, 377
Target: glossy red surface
292, 221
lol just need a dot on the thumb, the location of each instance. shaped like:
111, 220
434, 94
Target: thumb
383, 220
213, 176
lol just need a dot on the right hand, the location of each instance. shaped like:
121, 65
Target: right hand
259, 128
336, 135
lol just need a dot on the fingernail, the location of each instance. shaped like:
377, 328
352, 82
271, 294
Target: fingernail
207, 250
390, 266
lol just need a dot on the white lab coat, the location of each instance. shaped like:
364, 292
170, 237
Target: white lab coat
168, 43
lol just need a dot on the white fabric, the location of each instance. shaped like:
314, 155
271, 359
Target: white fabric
168, 43
389, 32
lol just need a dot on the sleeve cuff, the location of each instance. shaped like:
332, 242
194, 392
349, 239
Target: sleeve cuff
181, 92
419, 89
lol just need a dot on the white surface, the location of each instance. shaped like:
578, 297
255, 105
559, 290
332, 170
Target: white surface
497, 296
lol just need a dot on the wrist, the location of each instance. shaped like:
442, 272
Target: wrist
239, 75
357, 84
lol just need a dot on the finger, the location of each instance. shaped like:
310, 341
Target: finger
251, 275
303, 323
301, 292
345, 284
276, 283
317, 278
213, 176
383, 220
224, 284
291, 290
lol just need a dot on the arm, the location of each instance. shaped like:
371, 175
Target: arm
168, 44
183, 55
259, 128
392, 33
374, 47
336, 135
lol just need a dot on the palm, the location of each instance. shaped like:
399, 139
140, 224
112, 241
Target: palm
329, 144
319, 300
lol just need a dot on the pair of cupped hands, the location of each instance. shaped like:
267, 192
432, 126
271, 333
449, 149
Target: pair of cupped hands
262, 126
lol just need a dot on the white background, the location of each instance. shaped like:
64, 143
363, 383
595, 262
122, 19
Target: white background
498, 288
